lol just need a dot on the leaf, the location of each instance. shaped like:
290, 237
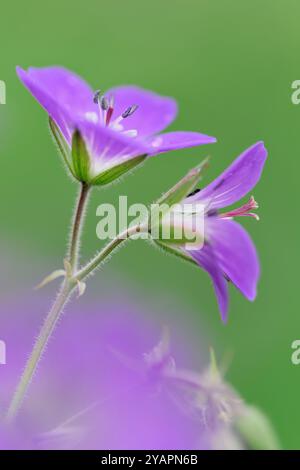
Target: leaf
81, 286
51, 277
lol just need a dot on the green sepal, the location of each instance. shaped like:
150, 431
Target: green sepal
173, 197
184, 187
62, 145
173, 250
80, 158
256, 430
172, 235
115, 172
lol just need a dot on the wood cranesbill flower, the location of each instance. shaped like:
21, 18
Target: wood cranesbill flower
103, 135
226, 250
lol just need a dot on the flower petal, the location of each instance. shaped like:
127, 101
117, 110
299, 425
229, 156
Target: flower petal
107, 147
178, 140
49, 99
154, 112
206, 259
61, 85
236, 254
239, 178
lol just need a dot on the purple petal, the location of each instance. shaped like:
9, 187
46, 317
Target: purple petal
236, 254
207, 260
108, 147
239, 178
154, 112
178, 140
57, 112
60, 85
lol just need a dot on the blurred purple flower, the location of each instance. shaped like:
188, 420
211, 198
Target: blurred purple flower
95, 389
98, 389
118, 127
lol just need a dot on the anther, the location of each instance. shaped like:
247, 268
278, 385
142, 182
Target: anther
129, 111
96, 97
104, 103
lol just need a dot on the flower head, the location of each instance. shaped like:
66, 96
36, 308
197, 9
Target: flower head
226, 251
224, 421
103, 135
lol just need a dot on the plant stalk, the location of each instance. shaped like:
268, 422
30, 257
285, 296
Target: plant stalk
77, 225
38, 350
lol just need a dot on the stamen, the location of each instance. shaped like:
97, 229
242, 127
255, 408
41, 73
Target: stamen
104, 103
129, 111
96, 97
243, 210
112, 101
110, 110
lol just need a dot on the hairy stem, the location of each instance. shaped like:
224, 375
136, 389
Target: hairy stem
55, 312
68, 286
77, 224
38, 349
107, 250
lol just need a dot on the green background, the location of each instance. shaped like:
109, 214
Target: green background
230, 65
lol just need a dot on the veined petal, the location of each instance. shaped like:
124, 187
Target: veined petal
235, 182
108, 148
178, 140
154, 112
206, 259
60, 85
236, 254
56, 111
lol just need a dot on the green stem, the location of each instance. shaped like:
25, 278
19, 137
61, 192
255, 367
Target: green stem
68, 286
107, 250
38, 349
55, 312
77, 225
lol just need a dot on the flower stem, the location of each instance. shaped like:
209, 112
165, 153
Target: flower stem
77, 224
54, 314
38, 349
67, 288
107, 250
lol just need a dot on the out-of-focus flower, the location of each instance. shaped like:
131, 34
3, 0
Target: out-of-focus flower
225, 249
103, 385
224, 420
103, 135
94, 389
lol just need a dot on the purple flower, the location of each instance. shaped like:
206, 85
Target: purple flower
104, 386
227, 252
96, 389
103, 135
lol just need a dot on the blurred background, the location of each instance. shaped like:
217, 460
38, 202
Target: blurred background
230, 65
